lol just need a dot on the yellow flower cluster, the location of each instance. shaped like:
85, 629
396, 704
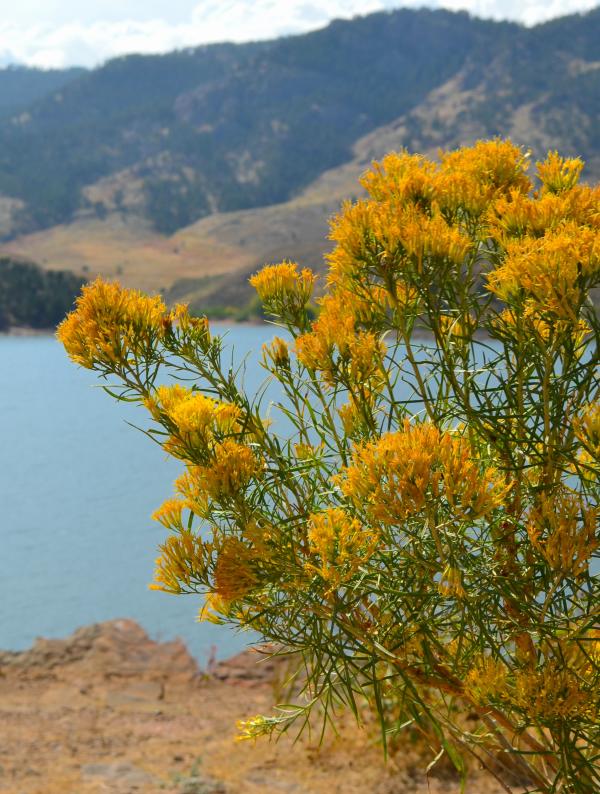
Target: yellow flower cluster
563, 531
381, 238
111, 323
460, 327
190, 487
496, 164
234, 575
194, 331
401, 178
195, 417
530, 324
587, 429
548, 693
487, 681
551, 693
398, 474
423, 236
414, 219
548, 270
231, 469
278, 353
335, 348
341, 543
283, 289
351, 417
183, 558
467, 179
458, 193
255, 727
517, 214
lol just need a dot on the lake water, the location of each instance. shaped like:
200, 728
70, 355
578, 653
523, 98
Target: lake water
77, 488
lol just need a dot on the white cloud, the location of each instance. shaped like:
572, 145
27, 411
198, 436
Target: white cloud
86, 42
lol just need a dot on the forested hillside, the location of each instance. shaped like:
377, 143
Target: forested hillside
30, 296
173, 138
21, 85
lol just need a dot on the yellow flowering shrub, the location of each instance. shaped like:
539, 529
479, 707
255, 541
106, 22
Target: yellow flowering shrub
419, 522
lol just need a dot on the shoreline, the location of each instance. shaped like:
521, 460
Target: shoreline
28, 331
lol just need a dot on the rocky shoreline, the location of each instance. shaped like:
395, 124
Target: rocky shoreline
110, 710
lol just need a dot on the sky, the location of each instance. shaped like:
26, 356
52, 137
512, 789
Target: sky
59, 33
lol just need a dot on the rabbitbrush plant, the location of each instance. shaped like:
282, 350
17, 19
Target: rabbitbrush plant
418, 516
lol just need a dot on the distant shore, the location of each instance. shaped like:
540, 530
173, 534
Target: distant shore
24, 330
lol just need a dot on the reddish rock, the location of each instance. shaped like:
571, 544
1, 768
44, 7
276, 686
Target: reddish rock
115, 648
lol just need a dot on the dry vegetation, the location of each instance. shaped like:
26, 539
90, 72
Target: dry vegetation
108, 710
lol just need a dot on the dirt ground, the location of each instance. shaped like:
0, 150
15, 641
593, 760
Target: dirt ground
108, 710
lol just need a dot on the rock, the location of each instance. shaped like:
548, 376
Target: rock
137, 694
201, 785
252, 667
113, 648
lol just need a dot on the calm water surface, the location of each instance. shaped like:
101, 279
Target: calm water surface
77, 489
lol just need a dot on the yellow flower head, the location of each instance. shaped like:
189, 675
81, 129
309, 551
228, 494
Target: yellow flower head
558, 174
519, 215
227, 418
458, 192
531, 324
256, 726
169, 514
351, 417
278, 353
335, 348
282, 289
456, 326
196, 329
431, 237
194, 414
183, 559
190, 486
111, 323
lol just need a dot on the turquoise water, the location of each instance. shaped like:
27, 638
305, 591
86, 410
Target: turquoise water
77, 488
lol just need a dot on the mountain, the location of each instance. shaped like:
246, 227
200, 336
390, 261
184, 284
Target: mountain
189, 166
20, 86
